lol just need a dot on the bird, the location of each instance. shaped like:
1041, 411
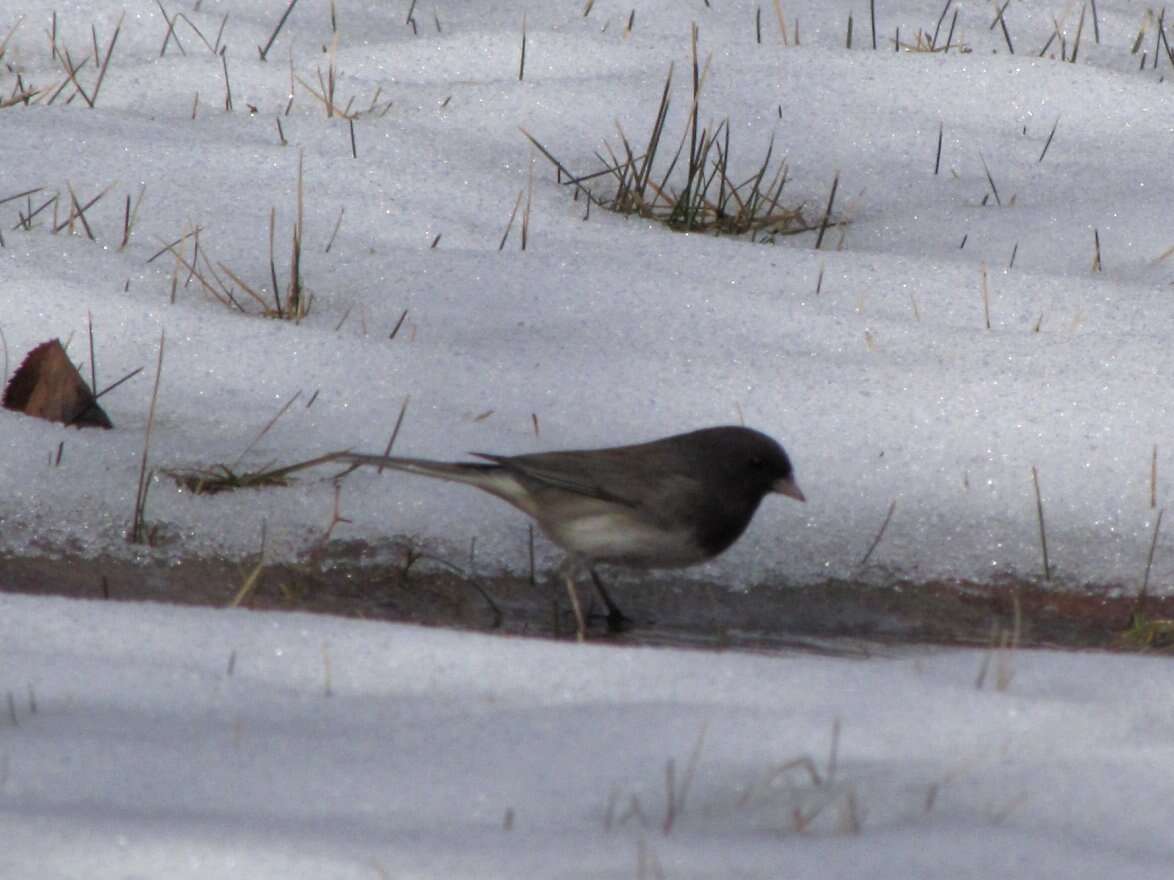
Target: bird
667, 503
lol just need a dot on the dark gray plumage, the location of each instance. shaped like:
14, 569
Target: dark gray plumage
669, 503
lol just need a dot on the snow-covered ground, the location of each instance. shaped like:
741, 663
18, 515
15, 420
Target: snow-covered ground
885, 385
171, 742
174, 742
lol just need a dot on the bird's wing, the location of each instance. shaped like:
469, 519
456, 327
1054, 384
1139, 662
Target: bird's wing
569, 471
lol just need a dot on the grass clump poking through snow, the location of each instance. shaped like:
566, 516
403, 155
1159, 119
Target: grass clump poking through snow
710, 199
225, 478
292, 305
222, 478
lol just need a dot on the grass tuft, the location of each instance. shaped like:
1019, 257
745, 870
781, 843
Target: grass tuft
222, 478
280, 24
291, 305
709, 198
1043, 535
139, 533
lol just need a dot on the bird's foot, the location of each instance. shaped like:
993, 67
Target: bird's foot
617, 622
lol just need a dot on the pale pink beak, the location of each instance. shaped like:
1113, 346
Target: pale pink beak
789, 488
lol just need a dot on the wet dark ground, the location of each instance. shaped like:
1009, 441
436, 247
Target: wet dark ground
834, 617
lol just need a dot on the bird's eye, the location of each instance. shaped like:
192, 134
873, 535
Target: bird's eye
757, 462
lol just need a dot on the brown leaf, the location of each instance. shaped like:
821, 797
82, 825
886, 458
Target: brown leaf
48, 386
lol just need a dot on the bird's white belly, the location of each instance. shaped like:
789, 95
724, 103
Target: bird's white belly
622, 540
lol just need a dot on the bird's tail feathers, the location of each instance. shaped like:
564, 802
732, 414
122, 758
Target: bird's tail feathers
461, 472
491, 478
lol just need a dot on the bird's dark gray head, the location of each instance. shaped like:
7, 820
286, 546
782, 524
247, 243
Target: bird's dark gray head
748, 459
739, 466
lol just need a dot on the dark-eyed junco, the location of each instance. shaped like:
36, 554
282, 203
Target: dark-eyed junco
669, 503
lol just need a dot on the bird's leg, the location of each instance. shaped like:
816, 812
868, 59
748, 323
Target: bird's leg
569, 567
616, 619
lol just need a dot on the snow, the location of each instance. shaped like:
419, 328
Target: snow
883, 386
194, 743
147, 756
